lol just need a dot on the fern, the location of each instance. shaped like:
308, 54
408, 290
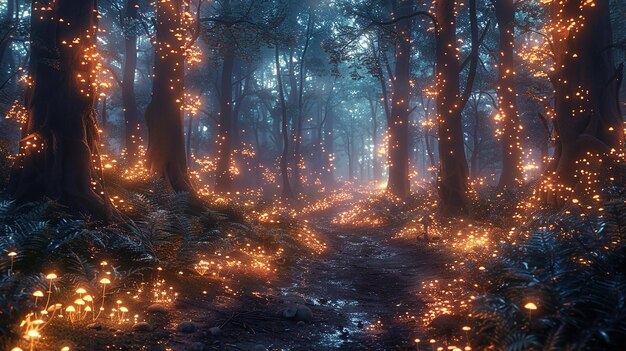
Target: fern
572, 267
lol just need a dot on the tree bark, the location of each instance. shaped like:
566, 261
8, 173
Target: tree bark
287, 192
223, 177
512, 175
164, 114
453, 168
189, 138
588, 117
398, 147
8, 24
129, 100
376, 168
328, 153
103, 114
298, 137
59, 155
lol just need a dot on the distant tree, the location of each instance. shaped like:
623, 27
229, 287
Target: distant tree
164, 115
508, 115
130, 27
298, 138
284, 159
236, 29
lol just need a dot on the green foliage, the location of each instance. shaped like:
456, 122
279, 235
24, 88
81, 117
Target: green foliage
161, 231
572, 267
497, 206
167, 231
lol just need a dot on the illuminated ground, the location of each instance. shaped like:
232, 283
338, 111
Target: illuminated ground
357, 291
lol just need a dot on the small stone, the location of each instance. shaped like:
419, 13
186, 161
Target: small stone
186, 327
142, 327
215, 331
119, 332
157, 308
196, 346
290, 312
304, 314
300, 323
94, 326
447, 323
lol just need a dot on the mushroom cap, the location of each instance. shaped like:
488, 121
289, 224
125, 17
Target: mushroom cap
530, 306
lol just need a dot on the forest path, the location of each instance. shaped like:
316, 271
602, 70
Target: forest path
358, 291
363, 288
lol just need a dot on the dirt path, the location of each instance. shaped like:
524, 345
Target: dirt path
358, 290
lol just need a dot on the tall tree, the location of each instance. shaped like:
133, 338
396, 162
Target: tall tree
586, 85
284, 159
508, 116
164, 114
223, 177
300, 116
453, 168
59, 143
398, 123
328, 146
130, 26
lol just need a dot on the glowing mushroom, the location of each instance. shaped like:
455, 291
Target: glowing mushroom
37, 294
530, 307
104, 282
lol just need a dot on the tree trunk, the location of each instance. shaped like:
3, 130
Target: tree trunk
298, 139
588, 117
8, 26
103, 114
349, 151
189, 138
429, 149
164, 114
60, 139
129, 100
512, 174
453, 168
287, 193
328, 178
377, 172
398, 182
223, 177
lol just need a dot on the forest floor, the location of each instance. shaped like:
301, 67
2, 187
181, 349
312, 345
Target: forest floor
357, 291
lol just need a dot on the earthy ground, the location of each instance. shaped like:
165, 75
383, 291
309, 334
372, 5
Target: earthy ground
354, 296
357, 290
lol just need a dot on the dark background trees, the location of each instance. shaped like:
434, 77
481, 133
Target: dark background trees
295, 97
